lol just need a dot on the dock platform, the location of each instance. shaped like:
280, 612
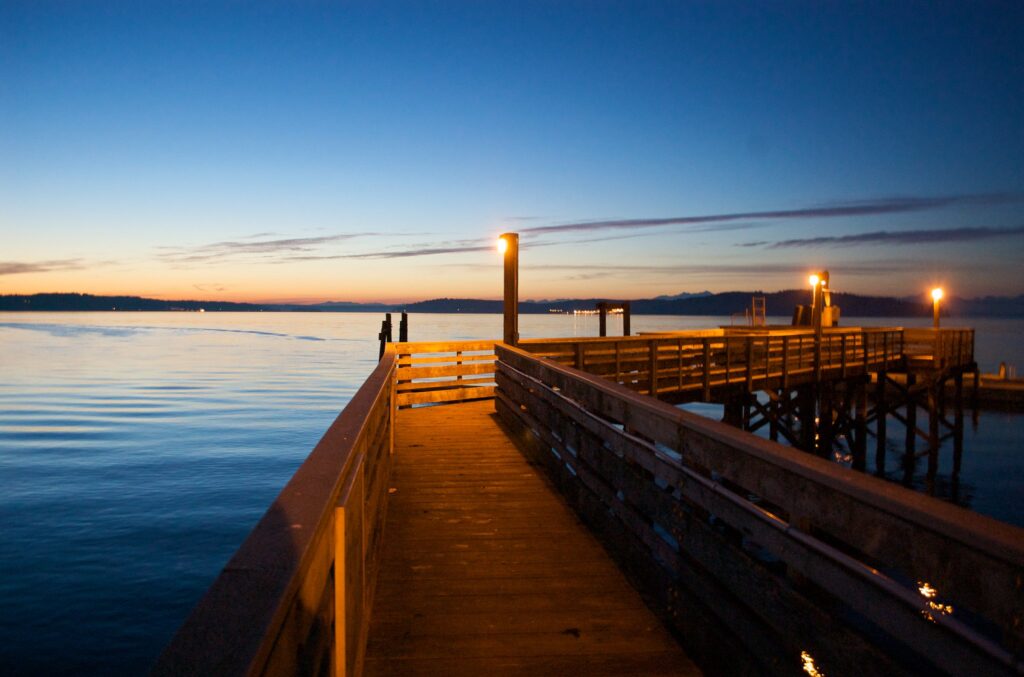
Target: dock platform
486, 508
486, 570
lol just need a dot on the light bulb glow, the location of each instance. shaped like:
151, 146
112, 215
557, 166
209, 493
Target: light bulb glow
814, 280
936, 294
502, 245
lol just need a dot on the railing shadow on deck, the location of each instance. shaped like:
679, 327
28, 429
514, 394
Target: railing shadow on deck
796, 555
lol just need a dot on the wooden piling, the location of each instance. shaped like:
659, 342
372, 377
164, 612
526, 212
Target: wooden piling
860, 432
511, 334
910, 450
881, 416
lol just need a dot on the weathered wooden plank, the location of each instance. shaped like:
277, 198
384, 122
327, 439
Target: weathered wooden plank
447, 370
442, 384
438, 396
423, 347
511, 575
407, 360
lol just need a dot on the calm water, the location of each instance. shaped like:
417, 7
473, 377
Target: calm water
138, 449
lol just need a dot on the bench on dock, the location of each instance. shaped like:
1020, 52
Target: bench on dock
437, 528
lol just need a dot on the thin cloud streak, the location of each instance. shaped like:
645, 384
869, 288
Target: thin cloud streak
23, 267
858, 208
480, 244
233, 248
924, 236
426, 251
737, 269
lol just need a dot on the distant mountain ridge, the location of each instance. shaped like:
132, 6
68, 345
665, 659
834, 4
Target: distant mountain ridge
779, 303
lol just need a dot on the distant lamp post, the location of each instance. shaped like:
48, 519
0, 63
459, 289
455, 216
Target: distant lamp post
936, 297
508, 247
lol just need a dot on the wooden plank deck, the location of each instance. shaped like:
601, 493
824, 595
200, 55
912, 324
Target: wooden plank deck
486, 570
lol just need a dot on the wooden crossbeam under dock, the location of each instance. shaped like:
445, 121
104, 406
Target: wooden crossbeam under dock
486, 570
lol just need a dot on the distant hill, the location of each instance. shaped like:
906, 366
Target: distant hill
682, 295
94, 303
779, 303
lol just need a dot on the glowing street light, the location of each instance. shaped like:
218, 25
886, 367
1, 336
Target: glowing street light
814, 280
936, 297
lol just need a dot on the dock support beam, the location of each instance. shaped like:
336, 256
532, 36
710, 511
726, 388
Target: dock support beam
511, 249
881, 414
910, 450
860, 429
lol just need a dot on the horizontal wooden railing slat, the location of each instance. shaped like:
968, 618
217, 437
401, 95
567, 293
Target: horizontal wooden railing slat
444, 372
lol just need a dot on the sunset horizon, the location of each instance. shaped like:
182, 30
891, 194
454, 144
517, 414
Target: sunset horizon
353, 153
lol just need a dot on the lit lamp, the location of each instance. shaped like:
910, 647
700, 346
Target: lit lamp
936, 297
818, 283
508, 247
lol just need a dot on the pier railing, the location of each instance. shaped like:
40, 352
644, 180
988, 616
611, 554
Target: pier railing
438, 372
795, 554
295, 597
939, 349
702, 361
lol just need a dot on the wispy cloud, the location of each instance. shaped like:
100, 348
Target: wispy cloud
21, 267
422, 251
857, 208
250, 246
535, 236
900, 237
481, 244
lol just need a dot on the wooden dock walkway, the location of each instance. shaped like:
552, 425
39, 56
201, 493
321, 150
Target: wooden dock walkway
502, 547
485, 569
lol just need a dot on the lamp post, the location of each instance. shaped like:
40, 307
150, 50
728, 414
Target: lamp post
936, 297
508, 245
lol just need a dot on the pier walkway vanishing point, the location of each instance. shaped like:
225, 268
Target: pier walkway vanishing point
486, 571
496, 531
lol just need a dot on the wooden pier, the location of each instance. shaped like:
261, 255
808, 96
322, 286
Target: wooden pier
479, 507
486, 571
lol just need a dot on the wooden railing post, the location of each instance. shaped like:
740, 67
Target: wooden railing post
707, 369
511, 334
750, 363
785, 362
652, 347
842, 347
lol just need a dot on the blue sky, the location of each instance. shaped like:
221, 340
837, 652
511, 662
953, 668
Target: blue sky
362, 151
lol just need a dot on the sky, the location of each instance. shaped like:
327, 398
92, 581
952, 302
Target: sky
373, 151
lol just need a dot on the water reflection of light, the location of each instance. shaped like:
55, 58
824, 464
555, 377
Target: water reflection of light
933, 607
809, 667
